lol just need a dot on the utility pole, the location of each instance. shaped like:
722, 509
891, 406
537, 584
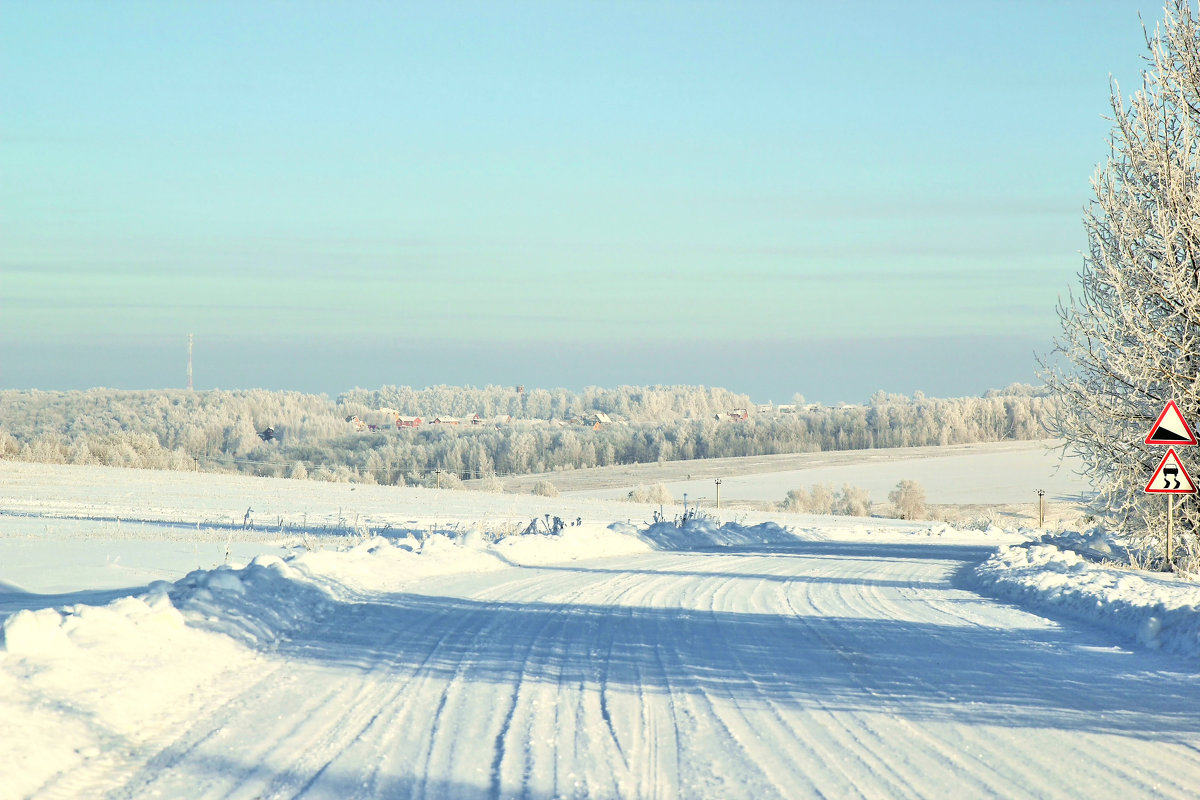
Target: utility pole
1041, 508
718, 482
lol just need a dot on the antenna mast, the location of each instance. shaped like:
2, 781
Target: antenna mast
189, 362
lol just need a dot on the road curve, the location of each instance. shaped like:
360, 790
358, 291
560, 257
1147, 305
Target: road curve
843, 669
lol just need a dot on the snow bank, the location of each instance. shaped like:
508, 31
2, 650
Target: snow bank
383, 565
83, 681
704, 533
573, 543
1161, 612
255, 605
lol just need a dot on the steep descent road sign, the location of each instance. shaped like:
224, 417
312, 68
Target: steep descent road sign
1171, 477
1171, 428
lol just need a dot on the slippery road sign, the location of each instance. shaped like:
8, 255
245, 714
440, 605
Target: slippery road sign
1171, 428
1171, 477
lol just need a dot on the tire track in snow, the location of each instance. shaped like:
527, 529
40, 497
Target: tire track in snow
612, 689
1001, 757
523, 645
768, 718
534, 740
331, 714
109, 772
1108, 755
998, 750
700, 730
847, 728
783, 762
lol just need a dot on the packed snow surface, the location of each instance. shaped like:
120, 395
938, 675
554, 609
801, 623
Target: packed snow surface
414, 643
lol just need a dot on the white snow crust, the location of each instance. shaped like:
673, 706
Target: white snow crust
1156, 611
396, 643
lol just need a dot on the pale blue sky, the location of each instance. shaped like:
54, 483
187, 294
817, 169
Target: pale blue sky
818, 197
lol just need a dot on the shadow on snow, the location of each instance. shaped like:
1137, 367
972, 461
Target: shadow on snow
1067, 677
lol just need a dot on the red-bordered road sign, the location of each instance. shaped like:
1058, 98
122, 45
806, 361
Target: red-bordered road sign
1171, 477
1171, 428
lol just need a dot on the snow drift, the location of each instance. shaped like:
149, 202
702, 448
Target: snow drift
702, 533
1161, 612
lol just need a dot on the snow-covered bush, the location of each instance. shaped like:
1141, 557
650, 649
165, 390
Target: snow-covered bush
817, 500
820, 499
545, 489
447, 480
492, 483
657, 493
9, 446
909, 499
852, 501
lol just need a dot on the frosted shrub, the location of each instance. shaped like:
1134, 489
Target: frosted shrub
45, 449
299, 471
651, 494
795, 502
545, 489
338, 474
491, 483
909, 499
9, 446
852, 501
450, 480
819, 499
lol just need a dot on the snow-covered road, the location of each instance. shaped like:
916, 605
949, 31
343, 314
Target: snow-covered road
820, 668
405, 643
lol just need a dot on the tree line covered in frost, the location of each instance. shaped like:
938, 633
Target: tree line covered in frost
633, 403
220, 430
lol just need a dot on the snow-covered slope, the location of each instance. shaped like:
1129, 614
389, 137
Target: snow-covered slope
428, 651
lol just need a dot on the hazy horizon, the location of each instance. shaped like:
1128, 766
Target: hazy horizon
848, 371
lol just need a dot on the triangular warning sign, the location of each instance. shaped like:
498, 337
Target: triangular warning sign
1171, 428
1171, 477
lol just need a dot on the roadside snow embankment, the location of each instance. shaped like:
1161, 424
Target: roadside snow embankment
1160, 612
572, 544
101, 683
705, 533
92, 685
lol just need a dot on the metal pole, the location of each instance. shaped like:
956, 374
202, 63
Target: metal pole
1170, 526
718, 482
1041, 508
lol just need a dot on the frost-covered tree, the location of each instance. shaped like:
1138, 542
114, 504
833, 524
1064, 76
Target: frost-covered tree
852, 501
909, 499
1131, 336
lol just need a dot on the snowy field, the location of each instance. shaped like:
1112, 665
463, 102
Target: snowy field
185, 635
994, 473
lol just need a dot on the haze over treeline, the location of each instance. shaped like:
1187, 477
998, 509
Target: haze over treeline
517, 432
